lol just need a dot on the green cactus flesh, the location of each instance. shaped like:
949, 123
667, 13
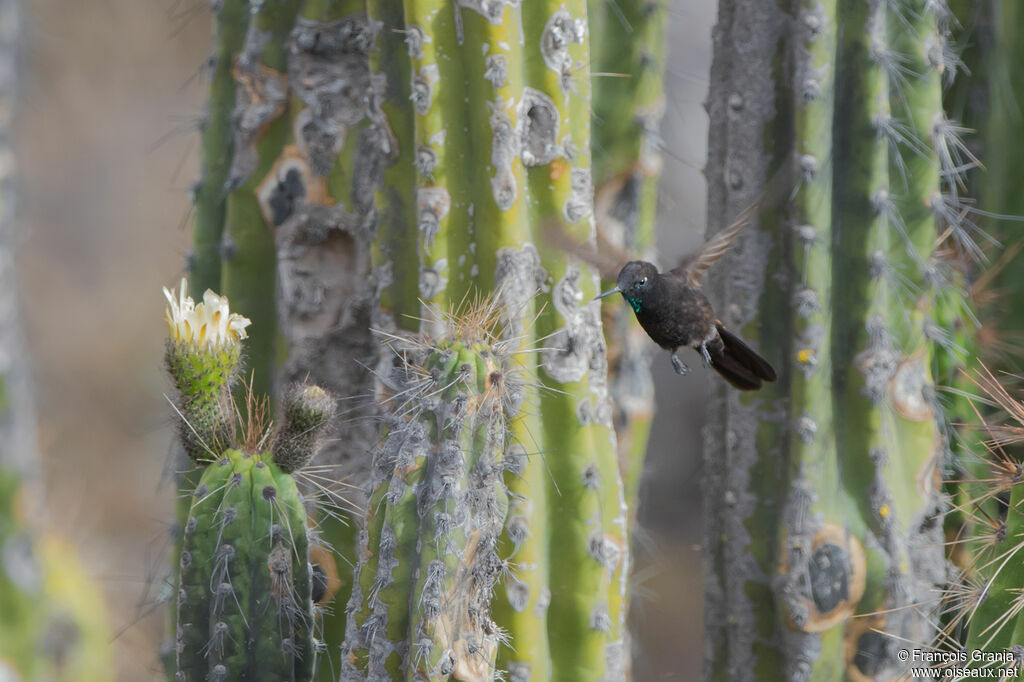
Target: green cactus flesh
245, 609
203, 379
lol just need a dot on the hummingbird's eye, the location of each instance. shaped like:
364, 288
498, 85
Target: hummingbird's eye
643, 281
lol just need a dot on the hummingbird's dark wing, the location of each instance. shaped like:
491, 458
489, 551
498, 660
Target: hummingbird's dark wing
606, 257
693, 267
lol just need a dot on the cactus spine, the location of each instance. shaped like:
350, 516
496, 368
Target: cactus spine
851, 433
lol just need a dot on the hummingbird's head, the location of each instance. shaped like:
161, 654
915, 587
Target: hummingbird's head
634, 282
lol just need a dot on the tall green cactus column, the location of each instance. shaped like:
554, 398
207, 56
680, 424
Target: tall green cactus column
486, 110
997, 189
823, 504
628, 103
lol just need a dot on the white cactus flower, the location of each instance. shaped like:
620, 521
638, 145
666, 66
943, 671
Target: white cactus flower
207, 326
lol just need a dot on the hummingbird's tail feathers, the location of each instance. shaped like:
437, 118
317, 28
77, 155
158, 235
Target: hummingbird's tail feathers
738, 363
733, 372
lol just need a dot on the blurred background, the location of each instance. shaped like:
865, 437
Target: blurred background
107, 147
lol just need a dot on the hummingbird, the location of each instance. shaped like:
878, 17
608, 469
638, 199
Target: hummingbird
672, 308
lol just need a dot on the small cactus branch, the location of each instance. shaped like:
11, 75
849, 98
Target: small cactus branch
307, 410
440, 506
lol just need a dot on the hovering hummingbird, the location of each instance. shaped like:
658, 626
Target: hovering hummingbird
672, 308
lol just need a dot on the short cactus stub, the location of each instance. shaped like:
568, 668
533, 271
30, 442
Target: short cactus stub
245, 607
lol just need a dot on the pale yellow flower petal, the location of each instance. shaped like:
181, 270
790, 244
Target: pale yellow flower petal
209, 325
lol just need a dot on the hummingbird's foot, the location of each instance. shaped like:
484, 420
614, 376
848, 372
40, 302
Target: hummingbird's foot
707, 356
681, 369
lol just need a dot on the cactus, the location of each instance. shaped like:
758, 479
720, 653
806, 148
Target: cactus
245, 606
245, 586
429, 565
629, 100
843, 284
999, 26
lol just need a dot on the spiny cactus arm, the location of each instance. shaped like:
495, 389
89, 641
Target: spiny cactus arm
585, 504
459, 524
628, 102
852, 378
994, 623
216, 150
257, 203
886, 450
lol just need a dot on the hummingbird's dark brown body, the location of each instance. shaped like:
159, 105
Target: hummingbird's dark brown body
674, 313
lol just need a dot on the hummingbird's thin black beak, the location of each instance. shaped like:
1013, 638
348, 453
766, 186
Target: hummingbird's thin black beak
614, 290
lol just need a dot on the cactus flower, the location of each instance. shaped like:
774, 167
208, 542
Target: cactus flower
209, 325
203, 357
